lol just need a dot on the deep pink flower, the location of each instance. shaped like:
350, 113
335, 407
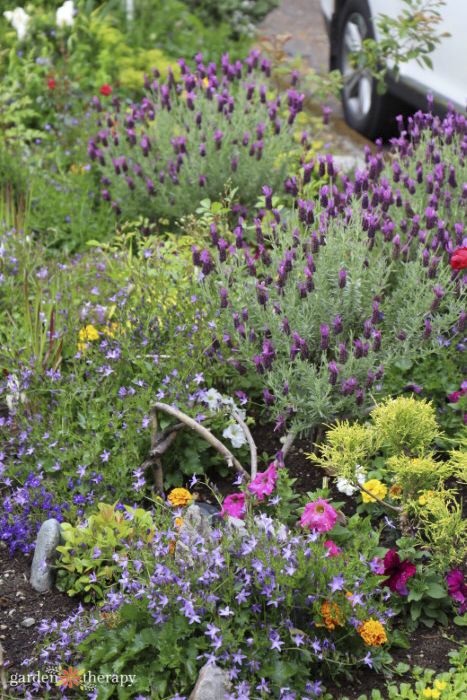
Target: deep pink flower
398, 571
334, 550
457, 588
264, 482
234, 505
319, 515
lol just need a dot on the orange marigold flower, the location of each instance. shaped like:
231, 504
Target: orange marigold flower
179, 497
372, 632
331, 616
395, 491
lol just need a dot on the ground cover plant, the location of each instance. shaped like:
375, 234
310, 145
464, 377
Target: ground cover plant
299, 316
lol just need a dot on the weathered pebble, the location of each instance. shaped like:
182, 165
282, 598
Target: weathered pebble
28, 622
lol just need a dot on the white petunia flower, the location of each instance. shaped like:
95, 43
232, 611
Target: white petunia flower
19, 19
65, 15
346, 487
213, 399
235, 434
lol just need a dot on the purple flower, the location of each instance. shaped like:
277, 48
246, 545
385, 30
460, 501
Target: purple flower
457, 588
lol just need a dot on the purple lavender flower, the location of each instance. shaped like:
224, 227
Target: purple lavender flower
324, 336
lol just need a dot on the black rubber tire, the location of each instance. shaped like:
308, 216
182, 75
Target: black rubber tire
379, 121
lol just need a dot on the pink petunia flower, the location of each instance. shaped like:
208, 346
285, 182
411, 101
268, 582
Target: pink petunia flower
264, 483
457, 588
234, 506
319, 515
399, 571
334, 550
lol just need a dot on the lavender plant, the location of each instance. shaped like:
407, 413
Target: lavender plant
349, 283
186, 140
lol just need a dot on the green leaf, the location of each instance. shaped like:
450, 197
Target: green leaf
461, 621
402, 667
399, 639
403, 364
434, 590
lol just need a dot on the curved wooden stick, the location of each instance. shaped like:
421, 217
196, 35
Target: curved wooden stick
205, 433
251, 442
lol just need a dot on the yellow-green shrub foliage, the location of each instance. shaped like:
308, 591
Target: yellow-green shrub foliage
346, 447
405, 425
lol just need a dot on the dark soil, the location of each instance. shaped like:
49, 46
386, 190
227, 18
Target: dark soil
18, 601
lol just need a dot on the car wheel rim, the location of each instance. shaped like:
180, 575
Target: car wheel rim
357, 81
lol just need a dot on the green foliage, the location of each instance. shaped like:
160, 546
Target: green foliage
90, 561
435, 376
402, 428
405, 424
412, 35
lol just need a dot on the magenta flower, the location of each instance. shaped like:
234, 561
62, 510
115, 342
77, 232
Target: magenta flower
334, 550
319, 515
398, 572
264, 482
457, 588
234, 506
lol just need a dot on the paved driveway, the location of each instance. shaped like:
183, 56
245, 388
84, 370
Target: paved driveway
301, 19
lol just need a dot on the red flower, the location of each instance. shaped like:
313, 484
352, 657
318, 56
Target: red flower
457, 588
459, 259
398, 572
51, 83
106, 90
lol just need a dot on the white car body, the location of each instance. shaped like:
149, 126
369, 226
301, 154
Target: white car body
447, 82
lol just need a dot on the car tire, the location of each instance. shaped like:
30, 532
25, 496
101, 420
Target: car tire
364, 109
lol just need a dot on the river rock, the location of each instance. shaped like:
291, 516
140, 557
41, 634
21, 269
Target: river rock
212, 684
195, 525
45, 554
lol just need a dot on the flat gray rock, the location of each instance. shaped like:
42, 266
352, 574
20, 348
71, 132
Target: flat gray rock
45, 554
212, 684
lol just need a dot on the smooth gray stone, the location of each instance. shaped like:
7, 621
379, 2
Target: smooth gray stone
28, 622
45, 554
212, 684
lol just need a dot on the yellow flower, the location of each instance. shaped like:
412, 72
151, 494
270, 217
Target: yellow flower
110, 331
82, 346
395, 491
376, 488
372, 632
179, 497
426, 495
440, 685
178, 522
88, 333
435, 694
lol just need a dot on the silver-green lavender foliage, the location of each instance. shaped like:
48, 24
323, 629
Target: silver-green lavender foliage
350, 283
186, 140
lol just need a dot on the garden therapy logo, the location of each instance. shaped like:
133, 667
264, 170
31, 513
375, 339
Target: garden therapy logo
70, 677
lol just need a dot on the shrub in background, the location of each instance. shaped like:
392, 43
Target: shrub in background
186, 140
348, 284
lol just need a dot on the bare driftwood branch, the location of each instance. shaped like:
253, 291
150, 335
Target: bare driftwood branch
205, 433
251, 443
288, 444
